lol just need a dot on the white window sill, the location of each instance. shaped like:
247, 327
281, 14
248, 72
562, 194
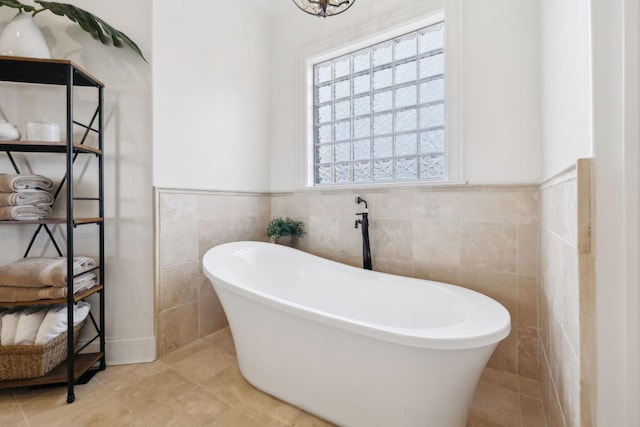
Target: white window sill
381, 186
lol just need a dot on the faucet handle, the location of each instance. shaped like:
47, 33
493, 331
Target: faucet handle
357, 222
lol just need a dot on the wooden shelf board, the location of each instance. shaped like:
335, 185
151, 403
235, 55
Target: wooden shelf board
81, 364
44, 71
77, 221
77, 297
45, 147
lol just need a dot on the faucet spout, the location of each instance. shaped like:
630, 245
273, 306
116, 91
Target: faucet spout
361, 200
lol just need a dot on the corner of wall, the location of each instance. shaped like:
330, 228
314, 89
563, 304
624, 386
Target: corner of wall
187, 224
586, 261
567, 297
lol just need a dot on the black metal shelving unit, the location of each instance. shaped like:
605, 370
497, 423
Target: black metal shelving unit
65, 73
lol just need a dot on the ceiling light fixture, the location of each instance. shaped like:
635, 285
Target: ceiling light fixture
324, 8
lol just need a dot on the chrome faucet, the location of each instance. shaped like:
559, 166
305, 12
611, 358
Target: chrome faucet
364, 222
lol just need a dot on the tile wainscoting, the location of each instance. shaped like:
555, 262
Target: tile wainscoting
187, 224
480, 237
567, 298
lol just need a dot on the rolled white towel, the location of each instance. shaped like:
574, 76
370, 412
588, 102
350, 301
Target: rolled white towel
26, 197
81, 311
25, 213
28, 324
9, 326
10, 183
55, 322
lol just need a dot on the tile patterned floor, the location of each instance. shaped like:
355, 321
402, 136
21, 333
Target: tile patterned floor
200, 385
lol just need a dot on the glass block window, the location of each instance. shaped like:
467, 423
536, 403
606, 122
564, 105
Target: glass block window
379, 112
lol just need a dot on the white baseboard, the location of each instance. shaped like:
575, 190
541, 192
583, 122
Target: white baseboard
126, 351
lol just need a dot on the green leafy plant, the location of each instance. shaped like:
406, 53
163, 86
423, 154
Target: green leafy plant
99, 29
279, 227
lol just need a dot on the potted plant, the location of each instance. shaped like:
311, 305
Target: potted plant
281, 227
98, 28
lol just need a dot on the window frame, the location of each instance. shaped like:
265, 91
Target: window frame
453, 151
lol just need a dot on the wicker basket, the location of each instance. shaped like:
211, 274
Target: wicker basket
33, 361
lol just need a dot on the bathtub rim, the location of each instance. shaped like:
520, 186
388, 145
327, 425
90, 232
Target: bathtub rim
459, 336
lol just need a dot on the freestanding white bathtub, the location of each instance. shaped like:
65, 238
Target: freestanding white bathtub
355, 347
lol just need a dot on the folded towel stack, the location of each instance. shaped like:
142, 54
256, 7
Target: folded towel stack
38, 325
33, 278
10, 183
25, 197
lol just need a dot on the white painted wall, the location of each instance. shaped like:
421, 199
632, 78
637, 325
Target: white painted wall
591, 108
566, 84
211, 87
500, 90
128, 148
616, 94
566, 102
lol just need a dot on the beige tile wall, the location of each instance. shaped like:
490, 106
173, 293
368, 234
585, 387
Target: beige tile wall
188, 223
481, 237
566, 297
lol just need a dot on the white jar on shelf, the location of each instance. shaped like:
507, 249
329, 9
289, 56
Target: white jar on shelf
43, 130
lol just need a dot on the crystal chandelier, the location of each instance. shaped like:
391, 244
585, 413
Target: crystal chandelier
324, 8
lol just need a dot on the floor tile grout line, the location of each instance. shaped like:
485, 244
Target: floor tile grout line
258, 413
24, 414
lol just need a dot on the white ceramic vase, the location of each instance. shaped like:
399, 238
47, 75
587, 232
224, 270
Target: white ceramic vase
23, 37
8, 131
